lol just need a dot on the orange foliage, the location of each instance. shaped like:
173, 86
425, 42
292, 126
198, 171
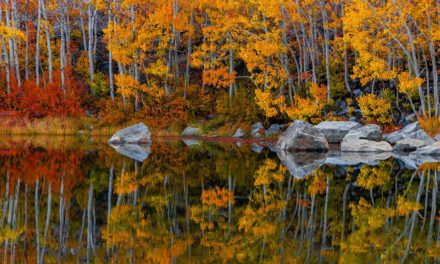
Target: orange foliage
431, 125
34, 101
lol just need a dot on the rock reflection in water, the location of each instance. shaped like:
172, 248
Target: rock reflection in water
74, 201
301, 164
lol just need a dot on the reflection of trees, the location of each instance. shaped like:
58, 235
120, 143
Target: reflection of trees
219, 203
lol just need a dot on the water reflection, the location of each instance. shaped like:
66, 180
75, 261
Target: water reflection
72, 200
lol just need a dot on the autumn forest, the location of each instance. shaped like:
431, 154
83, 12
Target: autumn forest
217, 64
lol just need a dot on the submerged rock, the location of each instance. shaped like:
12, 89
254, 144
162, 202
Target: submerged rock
138, 152
138, 133
239, 133
368, 132
363, 145
335, 131
302, 136
300, 165
190, 132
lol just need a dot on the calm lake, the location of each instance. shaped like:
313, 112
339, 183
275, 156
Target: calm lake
68, 199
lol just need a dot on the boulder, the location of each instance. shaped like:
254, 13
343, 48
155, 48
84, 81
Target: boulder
422, 135
364, 145
300, 165
257, 130
430, 150
273, 129
368, 132
335, 131
190, 132
239, 133
413, 131
302, 136
437, 137
138, 152
136, 134
408, 145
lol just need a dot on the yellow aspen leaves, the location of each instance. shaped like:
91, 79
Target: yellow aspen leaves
375, 109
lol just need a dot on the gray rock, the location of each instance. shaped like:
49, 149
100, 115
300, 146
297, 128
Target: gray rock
430, 150
190, 132
138, 152
357, 92
131, 135
411, 117
335, 131
422, 135
368, 132
257, 130
274, 129
363, 145
353, 119
302, 136
300, 165
437, 137
408, 145
239, 133
413, 131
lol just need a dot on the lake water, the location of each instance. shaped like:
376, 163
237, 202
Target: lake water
70, 200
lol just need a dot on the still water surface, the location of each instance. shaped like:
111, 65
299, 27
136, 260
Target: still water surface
72, 200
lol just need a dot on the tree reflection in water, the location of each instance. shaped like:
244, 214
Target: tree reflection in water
69, 200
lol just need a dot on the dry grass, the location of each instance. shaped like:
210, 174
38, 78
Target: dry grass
52, 126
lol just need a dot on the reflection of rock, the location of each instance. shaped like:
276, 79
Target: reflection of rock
256, 148
302, 136
138, 152
135, 134
431, 150
363, 145
190, 132
239, 133
301, 164
335, 131
368, 132
355, 158
412, 161
257, 130
190, 142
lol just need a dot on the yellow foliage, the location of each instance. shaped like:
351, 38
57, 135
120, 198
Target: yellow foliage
126, 84
126, 183
404, 207
375, 109
269, 172
408, 84
309, 109
370, 177
217, 197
